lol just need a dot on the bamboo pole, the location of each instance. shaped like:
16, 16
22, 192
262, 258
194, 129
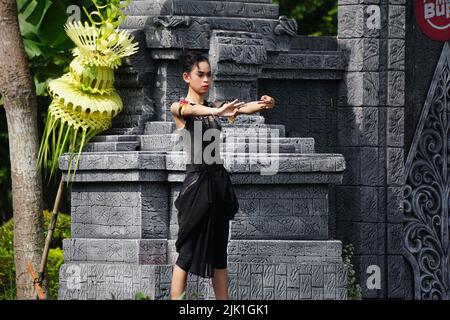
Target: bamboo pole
39, 278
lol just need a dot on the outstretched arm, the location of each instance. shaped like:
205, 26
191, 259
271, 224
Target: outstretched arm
183, 109
266, 102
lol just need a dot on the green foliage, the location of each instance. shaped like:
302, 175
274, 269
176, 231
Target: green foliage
55, 259
7, 268
141, 296
55, 256
7, 278
46, 44
314, 17
353, 289
6, 239
62, 230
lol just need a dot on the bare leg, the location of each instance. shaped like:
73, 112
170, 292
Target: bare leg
220, 284
179, 277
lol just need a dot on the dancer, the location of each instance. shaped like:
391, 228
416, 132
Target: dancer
206, 202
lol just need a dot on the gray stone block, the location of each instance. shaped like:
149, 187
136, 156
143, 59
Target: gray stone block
360, 89
159, 127
129, 251
362, 54
111, 146
395, 168
397, 21
228, 9
351, 21
396, 54
396, 88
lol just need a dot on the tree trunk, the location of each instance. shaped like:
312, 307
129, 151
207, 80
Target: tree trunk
19, 95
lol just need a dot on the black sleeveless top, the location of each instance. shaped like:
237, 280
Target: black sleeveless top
196, 127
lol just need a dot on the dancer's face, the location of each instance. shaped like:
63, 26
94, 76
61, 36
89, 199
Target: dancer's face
199, 79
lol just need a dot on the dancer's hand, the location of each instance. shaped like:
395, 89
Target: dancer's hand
230, 109
267, 101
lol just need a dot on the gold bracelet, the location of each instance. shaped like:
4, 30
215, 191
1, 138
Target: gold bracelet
183, 104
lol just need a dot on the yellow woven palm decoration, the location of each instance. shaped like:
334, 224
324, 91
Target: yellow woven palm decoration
84, 100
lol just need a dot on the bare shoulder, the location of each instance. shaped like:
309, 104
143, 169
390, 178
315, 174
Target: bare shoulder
174, 108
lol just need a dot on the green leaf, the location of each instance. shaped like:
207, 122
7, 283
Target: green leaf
27, 30
41, 88
39, 10
32, 48
22, 5
55, 20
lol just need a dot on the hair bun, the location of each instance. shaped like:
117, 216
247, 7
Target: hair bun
188, 59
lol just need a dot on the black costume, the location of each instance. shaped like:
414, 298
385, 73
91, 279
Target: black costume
205, 205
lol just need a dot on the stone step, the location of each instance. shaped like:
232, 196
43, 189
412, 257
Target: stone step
289, 163
142, 251
154, 145
258, 147
247, 123
124, 131
155, 251
174, 142
301, 145
159, 127
111, 146
282, 163
160, 142
247, 281
271, 130
243, 120
277, 251
114, 138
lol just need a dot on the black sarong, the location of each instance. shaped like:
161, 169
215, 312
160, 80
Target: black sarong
206, 198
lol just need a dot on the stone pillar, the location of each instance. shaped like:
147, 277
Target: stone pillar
371, 138
236, 60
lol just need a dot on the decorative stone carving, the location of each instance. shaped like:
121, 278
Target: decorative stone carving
171, 21
426, 192
286, 26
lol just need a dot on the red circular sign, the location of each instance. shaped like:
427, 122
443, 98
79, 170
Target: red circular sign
433, 17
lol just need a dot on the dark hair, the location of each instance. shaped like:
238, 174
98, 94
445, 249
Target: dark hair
189, 59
